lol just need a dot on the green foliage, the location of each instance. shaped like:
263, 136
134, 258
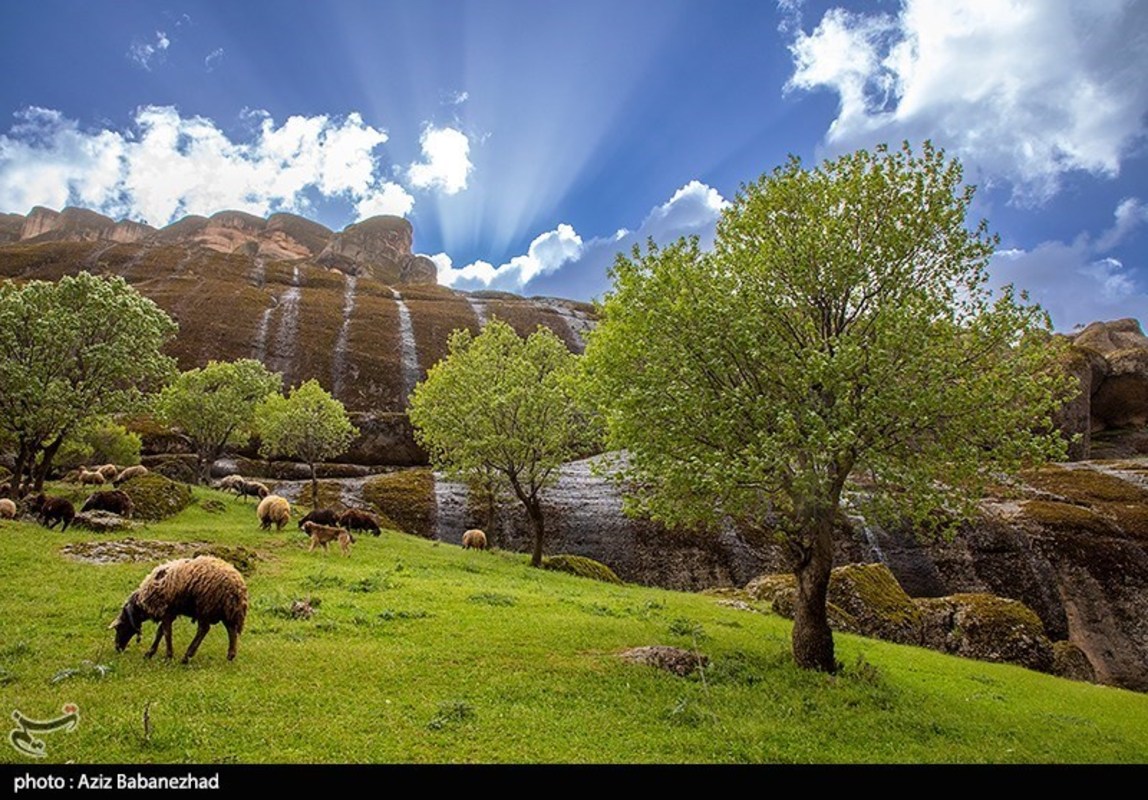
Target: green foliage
99, 440
72, 350
502, 408
308, 424
215, 405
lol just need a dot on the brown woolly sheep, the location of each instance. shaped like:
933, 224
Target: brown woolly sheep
109, 471
7, 509
323, 516
117, 502
229, 483
206, 588
90, 477
129, 473
273, 508
324, 534
51, 510
251, 489
355, 520
474, 538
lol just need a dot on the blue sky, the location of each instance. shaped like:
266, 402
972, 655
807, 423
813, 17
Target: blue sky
528, 141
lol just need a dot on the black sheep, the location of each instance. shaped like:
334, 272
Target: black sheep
321, 516
51, 510
117, 502
355, 520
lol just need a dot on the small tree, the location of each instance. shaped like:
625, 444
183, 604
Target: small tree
100, 440
841, 328
500, 406
215, 406
308, 424
78, 348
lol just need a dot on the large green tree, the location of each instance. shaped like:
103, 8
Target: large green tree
500, 410
215, 406
72, 350
841, 329
308, 424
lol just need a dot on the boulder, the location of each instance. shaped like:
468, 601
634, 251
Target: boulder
406, 497
987, 628
377, 247
672, 659
103, 521
418, 271
155, 497
582, 567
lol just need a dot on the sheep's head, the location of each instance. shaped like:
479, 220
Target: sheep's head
129, 623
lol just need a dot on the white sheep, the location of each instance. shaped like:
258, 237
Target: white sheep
273, 508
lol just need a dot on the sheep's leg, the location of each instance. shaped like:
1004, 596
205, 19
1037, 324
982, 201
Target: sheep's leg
313, 542
204, 627
167, 635
155, 644
232, 641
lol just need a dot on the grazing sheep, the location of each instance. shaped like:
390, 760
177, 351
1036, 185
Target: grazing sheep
117, 502
51, 510
273, 508
129, 473
355, 520
7, 509
251, 489
324, 534
207, 589
323, 516
90, 477
109, 471
474, 538
229, 483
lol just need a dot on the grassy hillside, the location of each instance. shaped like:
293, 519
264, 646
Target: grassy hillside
421, 652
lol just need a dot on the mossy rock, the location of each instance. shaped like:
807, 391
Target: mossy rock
1067, 518
987, 628
780, 592
1069, 661
406, 498
178, 468
213, 505
582, 567
156, 497
872, 597
1084, 486
239, 556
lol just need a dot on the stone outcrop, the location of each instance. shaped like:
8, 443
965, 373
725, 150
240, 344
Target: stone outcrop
378, 247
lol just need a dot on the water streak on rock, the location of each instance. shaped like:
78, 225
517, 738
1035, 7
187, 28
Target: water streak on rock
410, 361
286, 336
339, 360
450, 510
479, 308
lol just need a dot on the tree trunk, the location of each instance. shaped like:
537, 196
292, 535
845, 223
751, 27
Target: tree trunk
812, 638
534, 511
18, 470
45, 464
203, 468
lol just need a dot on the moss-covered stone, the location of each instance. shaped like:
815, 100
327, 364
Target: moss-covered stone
1084, 486
239, 556
582, 567
878, 605
155, 497
178, 468
405, 498
1069, 661
1067, 517
987, 628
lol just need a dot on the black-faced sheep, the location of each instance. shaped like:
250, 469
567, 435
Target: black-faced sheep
90, 477
129, 473
474, 538
355, 520
323, 516
206, 588
251, 489
325, 534
117, 502
7, 509
109, 471
273, 508
51, 510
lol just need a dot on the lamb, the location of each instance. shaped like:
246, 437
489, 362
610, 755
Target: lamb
7, 509
109, 471
206, 588
355, 520
251, 489
323, 516
55, 509
93, 477
273, 508
129, 473
324, 534
474, 538
117, 502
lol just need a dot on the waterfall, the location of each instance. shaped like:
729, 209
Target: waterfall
258, 272
410, 360
450, 510
479, 308
288, 324
260, 346
870, 533
338, 362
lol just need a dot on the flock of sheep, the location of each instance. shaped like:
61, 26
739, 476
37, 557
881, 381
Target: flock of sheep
206, 589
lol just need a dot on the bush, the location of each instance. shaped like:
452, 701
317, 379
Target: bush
156, 497
582, 567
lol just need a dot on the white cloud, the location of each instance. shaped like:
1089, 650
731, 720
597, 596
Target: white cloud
1078, 282
693, 209
171, 165
1026, 91
446, 161
457, 98
213, 58
147, 53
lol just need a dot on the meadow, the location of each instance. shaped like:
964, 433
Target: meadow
419, 651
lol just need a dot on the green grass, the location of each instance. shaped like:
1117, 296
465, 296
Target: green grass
423, 652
